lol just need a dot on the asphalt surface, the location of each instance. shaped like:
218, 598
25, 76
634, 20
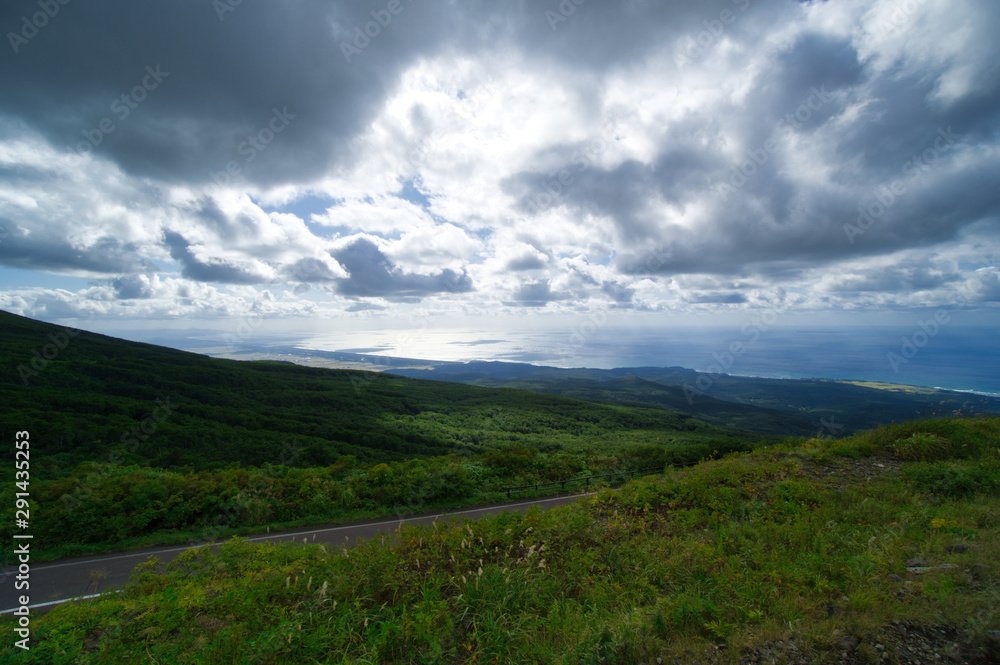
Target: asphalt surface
56, 582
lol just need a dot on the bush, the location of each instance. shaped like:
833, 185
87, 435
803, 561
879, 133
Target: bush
509, 461
922, 447
956, 480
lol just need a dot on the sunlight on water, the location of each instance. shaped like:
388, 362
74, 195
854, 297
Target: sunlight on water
957, 361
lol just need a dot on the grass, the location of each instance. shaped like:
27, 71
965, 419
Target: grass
794, 542
896, 387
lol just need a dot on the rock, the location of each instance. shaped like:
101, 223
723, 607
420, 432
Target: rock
895, 578
918, 562
834, 611
848, 643
958, 548
920, 570
980, 572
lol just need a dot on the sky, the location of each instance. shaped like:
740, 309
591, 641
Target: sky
364, 165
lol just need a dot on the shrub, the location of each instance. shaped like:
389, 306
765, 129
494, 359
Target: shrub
922, 447
956, 480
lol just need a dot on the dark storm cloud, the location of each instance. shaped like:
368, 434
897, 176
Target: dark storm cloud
209, 213
372, 275
767, 222
986, 288
220, 83
620, 294
621, 192
773, 157
537, 294
213, 271
525, 262
721, 298
222, 75
42, 251
132, 287
228, 72
310, 271
896, 279
365, 307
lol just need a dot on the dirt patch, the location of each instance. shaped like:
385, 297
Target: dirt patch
842, 471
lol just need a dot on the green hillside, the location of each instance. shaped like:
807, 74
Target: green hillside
837, 407
880, 548
131, 440
640, 392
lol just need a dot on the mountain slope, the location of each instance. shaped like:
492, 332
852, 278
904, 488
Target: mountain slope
133, 444
173, 409
836, 407
633, 390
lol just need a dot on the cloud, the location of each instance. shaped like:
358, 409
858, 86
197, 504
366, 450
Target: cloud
312, 271
210, 270
487, 157
526, 262
536, 294
720, 298
21, 248
434, 245
133, 287
373, 275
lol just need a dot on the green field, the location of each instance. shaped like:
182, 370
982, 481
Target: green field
796, 553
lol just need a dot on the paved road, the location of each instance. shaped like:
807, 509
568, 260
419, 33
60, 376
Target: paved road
56, 582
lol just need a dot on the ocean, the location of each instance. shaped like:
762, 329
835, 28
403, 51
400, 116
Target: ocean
964, 359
